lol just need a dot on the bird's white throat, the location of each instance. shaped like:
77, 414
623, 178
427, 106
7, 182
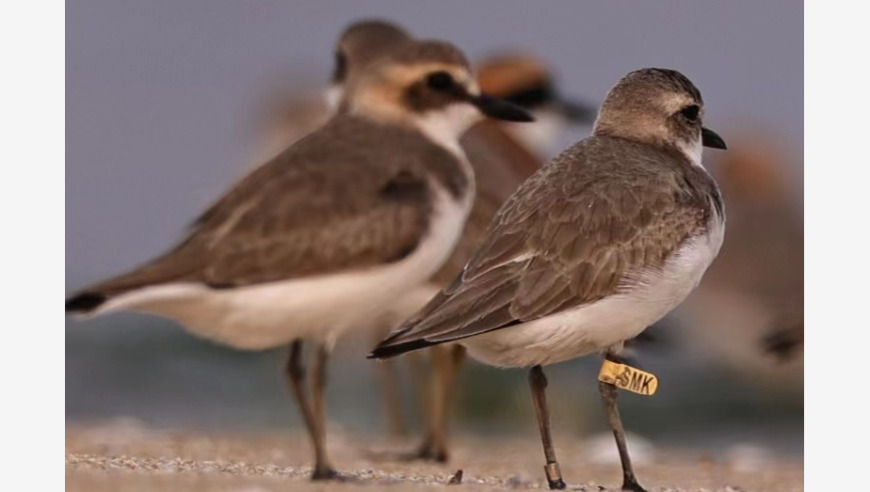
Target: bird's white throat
693, 150
444, 126
332, 98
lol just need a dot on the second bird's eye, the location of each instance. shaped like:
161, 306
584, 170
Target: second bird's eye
691, 112
340, 71
439, 80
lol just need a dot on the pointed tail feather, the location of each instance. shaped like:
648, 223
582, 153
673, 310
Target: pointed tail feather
175, 265
392, 345
386, 350
85, 302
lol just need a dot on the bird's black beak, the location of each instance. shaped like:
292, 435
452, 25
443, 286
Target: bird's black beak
576, 112
711, 139
500, 109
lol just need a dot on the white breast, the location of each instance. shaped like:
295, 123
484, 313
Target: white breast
606, 323
318, 308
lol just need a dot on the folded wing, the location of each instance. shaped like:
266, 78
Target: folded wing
330, 203
570, 236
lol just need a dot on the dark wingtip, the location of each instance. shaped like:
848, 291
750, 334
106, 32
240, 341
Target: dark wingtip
84, 302
386, 350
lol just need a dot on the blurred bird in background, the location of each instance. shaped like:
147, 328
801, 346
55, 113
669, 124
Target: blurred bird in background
747, 316
288, 115
320, 239
527, 80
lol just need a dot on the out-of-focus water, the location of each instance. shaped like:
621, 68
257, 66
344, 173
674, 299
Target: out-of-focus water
147, 368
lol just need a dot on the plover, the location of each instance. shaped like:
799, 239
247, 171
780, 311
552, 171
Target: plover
318, 240
528, 81
600, 243
503, 155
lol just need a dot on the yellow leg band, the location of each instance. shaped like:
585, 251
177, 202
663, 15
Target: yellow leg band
628, 378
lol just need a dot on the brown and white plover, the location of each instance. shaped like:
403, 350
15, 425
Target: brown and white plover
318, 240
600, 243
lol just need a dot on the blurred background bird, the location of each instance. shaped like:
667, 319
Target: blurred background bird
530, 81
747, 317
320, 239
295, 111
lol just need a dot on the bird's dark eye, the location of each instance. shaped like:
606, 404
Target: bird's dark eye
439, 81
691, 112
340, 70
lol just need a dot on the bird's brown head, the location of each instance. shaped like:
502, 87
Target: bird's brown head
359, 45
658, 107
426, 83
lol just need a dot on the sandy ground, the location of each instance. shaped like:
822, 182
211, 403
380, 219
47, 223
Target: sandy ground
124, 456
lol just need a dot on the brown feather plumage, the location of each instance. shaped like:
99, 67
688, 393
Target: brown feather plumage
579, 230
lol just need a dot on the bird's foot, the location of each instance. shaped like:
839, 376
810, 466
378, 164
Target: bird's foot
429, 453
326, 473
557, 484
554, 476
633, 486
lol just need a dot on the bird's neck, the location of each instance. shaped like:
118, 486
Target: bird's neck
445, 126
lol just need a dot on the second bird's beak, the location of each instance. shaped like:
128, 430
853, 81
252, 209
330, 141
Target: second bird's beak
711, 139
576, 112
499, 108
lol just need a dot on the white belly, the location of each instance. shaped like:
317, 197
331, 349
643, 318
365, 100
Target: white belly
603, 324
314, 308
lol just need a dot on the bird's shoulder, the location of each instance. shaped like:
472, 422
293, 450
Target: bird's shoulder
604, 183
350, 160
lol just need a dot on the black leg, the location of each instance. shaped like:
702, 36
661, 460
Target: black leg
538, 383
312, 415
608, 395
